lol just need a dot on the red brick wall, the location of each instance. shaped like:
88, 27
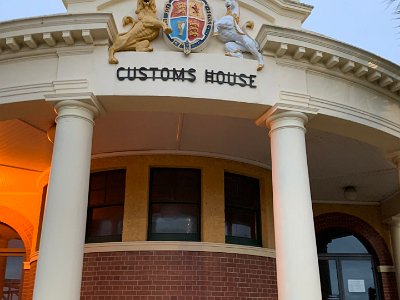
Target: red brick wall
28, 282
389, 286
177, 275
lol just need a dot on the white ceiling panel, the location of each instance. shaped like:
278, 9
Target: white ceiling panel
234, 137
134, 131
24, 146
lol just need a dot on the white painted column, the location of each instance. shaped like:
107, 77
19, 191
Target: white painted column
395, 237
59, 270
296, 251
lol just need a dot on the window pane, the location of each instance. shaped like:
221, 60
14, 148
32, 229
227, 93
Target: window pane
115, 195
97, 180
340, 242
175, 196
242, 210
174, 218
14, 267
105, 221
175, 185
358, 280
106, 206
115, 178
241, 223
188, 194
242, 191
329, 279
96, 197
161, 193
12, 278
16, 243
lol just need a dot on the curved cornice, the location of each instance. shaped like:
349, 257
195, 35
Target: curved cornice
44, 35
287, 8
322, 53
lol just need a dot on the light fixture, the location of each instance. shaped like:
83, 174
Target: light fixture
350, 193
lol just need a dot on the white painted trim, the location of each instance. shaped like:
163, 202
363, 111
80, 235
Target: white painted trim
386, 269
372, 203
179, 246
376, 67
179, 152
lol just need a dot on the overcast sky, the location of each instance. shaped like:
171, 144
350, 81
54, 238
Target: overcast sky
367, 24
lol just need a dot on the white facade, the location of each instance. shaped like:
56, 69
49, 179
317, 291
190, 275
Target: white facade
346, 98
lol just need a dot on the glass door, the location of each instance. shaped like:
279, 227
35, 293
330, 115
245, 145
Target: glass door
329, 279
346, 267
347, 278
358, 279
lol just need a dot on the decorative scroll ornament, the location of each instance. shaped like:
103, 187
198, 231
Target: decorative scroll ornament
145, 29
236, 39
191, 22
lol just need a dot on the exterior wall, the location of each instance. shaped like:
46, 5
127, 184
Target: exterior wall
26, 204
29, 281
177, 275
213, 214
371, 214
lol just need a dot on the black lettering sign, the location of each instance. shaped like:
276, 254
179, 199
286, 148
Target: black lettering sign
230, 78
182, 74
154, 73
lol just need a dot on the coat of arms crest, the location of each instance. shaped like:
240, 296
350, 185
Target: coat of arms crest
191, 22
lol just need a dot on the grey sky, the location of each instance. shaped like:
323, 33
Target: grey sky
367, 24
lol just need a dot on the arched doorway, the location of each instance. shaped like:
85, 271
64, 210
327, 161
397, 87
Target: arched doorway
340, 223
347, 268
12, 255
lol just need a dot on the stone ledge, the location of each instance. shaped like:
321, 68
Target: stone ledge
179, 246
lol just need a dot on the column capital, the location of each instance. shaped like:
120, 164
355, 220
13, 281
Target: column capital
287, 119
393, 221
80, 105
395, 158
280, 112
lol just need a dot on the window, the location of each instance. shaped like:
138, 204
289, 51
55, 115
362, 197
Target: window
12, 253
347, 269
242, 210
174, 208
106, 206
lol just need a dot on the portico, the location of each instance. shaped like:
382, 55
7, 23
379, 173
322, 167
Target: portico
198, 176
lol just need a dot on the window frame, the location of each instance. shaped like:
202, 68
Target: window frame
91, 208
190, 237
339, 257
231, 239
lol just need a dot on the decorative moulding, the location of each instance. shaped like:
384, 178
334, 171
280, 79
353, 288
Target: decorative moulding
45, 35
85, 99
284, 107
386, 269
318, 52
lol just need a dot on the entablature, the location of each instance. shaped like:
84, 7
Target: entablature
328, 55
35, 36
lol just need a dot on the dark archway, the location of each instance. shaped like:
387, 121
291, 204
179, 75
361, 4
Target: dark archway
337, 223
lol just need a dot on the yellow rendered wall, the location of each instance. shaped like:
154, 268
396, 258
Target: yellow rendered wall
368, 213
213, 214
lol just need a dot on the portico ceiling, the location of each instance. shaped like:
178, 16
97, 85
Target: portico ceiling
334, 161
